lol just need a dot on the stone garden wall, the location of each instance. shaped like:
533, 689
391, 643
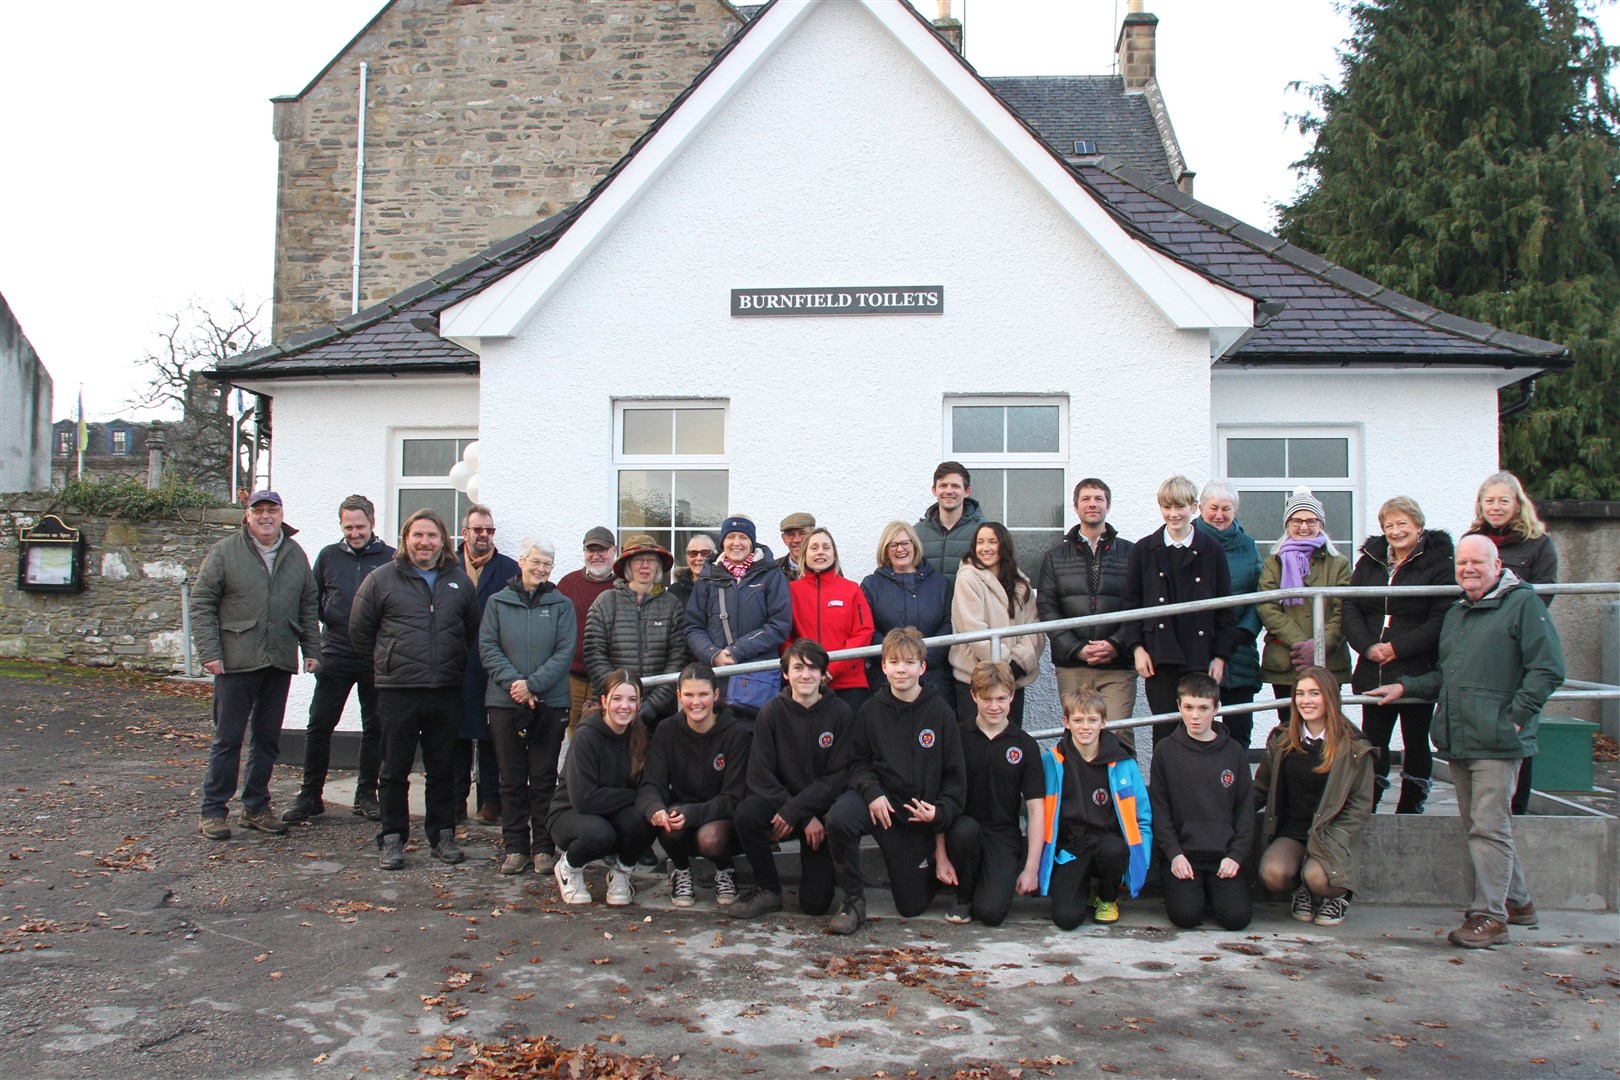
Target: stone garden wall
129, 613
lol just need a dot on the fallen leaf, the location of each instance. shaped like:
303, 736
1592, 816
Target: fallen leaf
828, 1041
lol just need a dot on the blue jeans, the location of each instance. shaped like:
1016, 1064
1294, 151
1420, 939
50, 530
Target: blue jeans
245, 700
1484, 790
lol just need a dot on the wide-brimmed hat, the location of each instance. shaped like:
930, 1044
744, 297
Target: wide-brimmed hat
641, 544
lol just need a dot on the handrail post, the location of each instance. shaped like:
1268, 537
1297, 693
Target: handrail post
995, 648
1319, 628
185, 624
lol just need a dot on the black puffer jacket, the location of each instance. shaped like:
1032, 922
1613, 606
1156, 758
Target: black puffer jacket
417, 639
1075, 582
647, 638
1414, 624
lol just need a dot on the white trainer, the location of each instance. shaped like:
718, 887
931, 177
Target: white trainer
571, 882
619, 892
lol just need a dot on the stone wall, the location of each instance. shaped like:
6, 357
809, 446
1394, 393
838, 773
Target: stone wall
483, 118
1588, 538
129, 612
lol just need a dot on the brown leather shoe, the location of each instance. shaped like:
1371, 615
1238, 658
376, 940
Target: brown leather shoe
1523, 916
1479, 931
487, 815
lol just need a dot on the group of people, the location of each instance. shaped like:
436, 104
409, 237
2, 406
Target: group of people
488, 667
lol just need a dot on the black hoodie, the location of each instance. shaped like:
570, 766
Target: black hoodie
799, 762
704, 776
596, 777
1203, 798
909, 750
1088, 800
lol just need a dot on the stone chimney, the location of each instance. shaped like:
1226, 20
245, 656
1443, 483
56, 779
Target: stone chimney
949, 28
1135, 52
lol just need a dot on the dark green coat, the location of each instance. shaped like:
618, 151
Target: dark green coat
1500, 660
249, 618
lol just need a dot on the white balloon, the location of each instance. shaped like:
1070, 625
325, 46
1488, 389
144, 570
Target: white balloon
460, 475
472, 489
470, 455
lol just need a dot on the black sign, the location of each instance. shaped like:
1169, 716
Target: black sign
50, 557
839, 300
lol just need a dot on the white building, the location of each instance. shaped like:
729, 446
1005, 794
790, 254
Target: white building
1068, 317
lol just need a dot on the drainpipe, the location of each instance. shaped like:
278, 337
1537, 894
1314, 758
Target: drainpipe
1526, 394
359, 190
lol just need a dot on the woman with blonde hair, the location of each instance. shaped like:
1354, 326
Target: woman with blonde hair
908, 590
1504, 514
1315, 785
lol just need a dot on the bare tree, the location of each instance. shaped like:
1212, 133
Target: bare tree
199, 338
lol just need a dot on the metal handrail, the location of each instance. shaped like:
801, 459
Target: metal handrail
1317, 594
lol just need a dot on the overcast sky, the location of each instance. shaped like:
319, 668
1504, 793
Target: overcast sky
140, 168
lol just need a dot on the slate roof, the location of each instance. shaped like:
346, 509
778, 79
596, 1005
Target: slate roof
1064, 108
1326, 315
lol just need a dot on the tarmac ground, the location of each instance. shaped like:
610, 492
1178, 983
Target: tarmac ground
129, 945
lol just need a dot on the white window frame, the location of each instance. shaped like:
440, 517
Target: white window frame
113, 437
672, 462
1354, 482
983, 461
388, 524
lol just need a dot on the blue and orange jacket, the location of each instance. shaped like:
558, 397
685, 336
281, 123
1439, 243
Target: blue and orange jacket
1131, 807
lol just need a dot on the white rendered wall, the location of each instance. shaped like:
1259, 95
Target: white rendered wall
1427, 434
335, 439
806, 179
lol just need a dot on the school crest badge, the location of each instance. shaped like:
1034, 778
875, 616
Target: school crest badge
826, 740
719, 763
1228, 778
1014, 755
1100, 796
925, 738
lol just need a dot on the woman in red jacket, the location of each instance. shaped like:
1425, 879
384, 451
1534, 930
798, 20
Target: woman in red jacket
832, 611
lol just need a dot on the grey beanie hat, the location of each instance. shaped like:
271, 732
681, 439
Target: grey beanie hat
1302, 499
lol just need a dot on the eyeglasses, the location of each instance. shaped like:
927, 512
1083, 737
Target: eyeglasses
701, 554
1304, 521
481, 530
899, 544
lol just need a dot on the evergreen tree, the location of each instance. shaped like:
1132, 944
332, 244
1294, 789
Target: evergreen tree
1469, 159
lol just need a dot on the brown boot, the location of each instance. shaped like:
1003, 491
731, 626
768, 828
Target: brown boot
1479, 931
1523, 916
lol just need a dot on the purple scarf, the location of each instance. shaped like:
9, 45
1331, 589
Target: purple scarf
1295, 556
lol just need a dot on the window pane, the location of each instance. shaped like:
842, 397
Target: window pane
1032, 429
990, 488
1256, 457
1034, 499
644, 499
701, 496
977, 429
1262, 516
1317, 457
649, 431
700, 431
1340, 523
429, 457
442, 500
1031, 546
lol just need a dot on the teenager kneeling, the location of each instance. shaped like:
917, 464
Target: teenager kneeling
1316, 787
593, 814
797, 767
1099, 822
697, 773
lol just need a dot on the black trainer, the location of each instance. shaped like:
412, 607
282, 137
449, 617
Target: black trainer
849, 917
303, 808
393, 852
367, 806
445, 849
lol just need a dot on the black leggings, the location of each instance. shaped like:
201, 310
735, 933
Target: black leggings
1378, 724
1186, 901
753, 823
908, 853
587, 837
1103, 855
714, 840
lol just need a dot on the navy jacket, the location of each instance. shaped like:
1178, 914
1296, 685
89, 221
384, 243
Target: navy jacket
339, 570
758, 607
921, 599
